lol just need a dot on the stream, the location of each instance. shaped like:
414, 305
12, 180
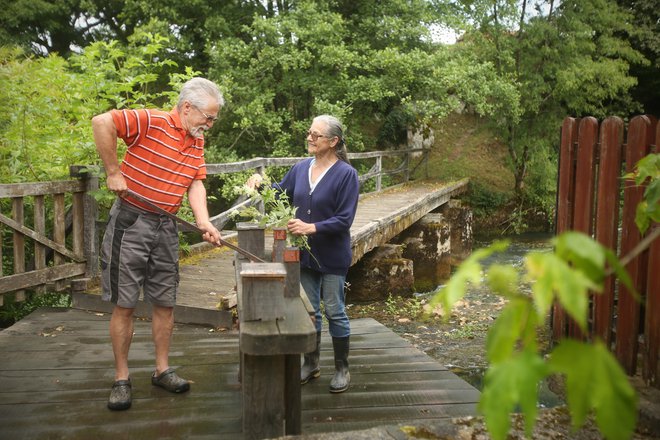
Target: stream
519, 246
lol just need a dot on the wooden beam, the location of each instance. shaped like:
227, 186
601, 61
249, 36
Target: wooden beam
26, 280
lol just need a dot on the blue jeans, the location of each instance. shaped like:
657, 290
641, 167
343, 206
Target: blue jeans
331, 289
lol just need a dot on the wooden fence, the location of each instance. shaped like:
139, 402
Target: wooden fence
50, 244
593, 198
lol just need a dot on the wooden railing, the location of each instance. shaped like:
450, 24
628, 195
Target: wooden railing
591, 193
404, 169
45, 256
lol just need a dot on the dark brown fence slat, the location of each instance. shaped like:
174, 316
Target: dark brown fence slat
607, 217
24, 231
650, 365
565, 202
585, 177
628, 308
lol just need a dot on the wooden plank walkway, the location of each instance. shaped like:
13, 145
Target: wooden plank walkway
56, 369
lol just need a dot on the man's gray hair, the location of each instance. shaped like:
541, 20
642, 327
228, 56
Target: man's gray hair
198, 91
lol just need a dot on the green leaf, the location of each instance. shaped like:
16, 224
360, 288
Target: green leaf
554, 278
642, 220
542, 285
506, 330
595, 381
510, 383
503, 279
582, 252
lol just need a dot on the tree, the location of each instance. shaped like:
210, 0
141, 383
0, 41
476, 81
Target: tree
646, 39
49, 101
376, 68
572, 58
60, 26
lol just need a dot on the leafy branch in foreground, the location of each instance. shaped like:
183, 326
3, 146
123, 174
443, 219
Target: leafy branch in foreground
277, 210
647, 171
594, 380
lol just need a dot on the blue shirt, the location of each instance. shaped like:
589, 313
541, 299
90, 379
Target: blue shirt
331, 207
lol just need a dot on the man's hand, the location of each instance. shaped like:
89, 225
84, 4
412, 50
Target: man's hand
117, 184
211, 233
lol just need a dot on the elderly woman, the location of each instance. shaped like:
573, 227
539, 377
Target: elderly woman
325, 189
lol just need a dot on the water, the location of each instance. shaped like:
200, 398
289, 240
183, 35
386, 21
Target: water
519, 247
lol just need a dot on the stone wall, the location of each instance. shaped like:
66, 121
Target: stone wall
417, 260
381, 272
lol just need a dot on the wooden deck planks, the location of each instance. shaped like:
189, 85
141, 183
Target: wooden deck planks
56, 370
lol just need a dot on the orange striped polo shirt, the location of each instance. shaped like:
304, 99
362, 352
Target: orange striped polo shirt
160, 162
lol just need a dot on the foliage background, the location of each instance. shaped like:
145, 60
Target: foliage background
519, 67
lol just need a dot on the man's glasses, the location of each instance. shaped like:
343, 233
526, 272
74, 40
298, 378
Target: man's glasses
209, 118
315, 136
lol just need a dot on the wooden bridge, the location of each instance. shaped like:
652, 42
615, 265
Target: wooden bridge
52, 247
56, 380
209, 279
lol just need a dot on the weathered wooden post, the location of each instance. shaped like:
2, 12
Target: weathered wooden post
262, 292
89, 215
274, 330
290, 256
251, 238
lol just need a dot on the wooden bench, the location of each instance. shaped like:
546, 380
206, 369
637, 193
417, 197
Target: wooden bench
275, 328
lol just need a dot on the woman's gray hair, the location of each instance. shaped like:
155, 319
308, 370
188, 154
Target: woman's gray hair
334, 128
198, 91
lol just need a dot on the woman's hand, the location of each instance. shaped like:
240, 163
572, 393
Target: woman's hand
254, 181
299, 227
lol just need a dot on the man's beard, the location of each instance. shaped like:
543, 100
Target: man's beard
197, 131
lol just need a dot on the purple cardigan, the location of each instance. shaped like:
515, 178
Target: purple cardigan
331, 207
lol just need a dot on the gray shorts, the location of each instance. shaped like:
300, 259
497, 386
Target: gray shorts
140, 251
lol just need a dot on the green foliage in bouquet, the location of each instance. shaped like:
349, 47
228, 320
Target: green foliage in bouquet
277, 210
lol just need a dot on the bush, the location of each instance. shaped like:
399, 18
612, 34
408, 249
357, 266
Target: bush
13, 311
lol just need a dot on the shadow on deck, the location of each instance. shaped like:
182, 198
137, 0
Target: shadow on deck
56, 370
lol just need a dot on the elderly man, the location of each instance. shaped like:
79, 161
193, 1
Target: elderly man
163, 161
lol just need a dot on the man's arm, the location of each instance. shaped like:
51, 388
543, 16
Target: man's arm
105, 138
197, 200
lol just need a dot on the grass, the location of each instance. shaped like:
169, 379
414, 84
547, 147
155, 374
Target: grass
465, 147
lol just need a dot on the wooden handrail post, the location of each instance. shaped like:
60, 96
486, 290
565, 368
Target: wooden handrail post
90, 216
379, 170
406, 161
18, 214
262, 171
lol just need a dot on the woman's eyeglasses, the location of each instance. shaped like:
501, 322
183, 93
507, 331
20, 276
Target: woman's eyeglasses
315, 136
